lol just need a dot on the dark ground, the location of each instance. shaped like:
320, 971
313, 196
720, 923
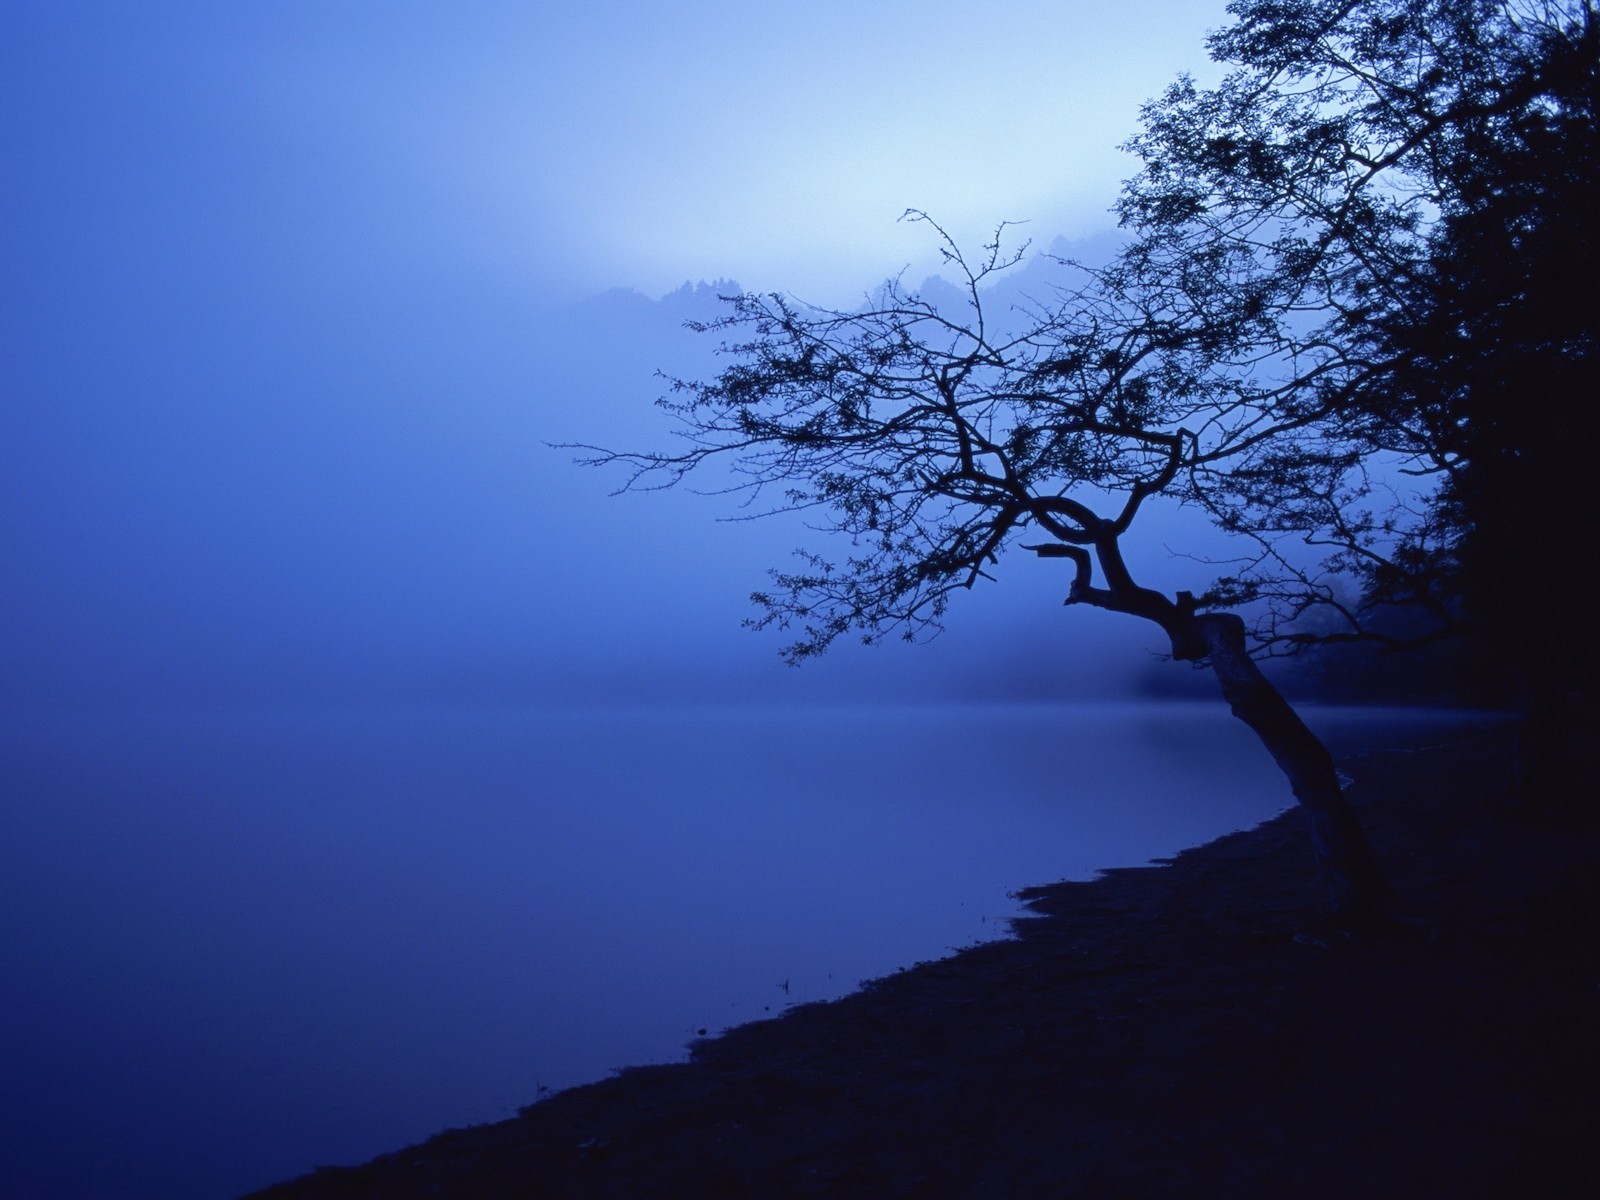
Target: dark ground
1189, 1030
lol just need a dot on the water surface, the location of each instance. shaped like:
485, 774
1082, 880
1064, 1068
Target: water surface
241, 944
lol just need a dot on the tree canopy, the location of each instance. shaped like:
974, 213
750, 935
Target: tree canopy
1350, 314
1391, 199
1307, 254
928, 435
1395, 199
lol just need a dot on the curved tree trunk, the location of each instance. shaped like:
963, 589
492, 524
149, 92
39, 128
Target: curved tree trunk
1353, 883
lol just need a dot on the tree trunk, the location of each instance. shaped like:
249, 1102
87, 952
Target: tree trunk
1353, 883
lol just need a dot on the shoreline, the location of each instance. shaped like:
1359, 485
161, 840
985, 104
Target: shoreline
1184, 1029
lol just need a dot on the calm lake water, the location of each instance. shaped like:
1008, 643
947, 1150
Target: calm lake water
237, 945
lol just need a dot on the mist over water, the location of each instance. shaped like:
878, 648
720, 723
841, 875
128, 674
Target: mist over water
402, 528
306, 849
367, 765
243, 943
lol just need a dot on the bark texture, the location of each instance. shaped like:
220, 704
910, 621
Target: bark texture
1353, 883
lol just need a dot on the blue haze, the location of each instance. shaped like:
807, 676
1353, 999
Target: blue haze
297, 294
243, 943
366, 764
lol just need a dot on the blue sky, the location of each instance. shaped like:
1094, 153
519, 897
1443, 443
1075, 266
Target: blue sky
297, 293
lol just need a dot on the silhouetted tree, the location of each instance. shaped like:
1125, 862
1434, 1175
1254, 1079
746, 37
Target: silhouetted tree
929, 440
1400, 193
1298, 239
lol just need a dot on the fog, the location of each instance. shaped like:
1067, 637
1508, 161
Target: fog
286, 340
243, 943
364, 504
302, 300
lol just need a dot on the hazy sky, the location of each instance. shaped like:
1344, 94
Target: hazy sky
601, 144
647, 144
295, 295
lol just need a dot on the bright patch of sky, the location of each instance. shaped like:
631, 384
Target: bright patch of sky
633, 144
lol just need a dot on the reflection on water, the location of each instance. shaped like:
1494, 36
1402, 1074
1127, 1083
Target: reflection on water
238, 945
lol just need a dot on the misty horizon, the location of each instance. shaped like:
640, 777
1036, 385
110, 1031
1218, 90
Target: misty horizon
427, 542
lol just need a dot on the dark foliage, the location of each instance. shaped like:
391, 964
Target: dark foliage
1388, 199
1497, 351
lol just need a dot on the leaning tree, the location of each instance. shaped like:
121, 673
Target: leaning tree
1260, 350
931, 438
